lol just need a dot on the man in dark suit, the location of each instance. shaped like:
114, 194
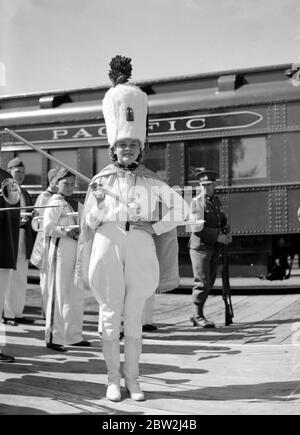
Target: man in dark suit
16, 296
9, 238
205, 243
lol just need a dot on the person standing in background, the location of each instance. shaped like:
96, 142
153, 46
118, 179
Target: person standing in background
37, 253
15, 297
9, 238
64, 314
205, 243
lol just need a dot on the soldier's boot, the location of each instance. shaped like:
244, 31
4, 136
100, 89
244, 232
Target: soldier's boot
199, 319
132, 350
111, 353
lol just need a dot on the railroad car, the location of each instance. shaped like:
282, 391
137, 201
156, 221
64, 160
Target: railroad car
243, 123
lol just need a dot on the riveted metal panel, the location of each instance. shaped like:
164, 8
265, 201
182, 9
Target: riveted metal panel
276, 157
269, 159
278, 117
285, 157
293, 114
279, 210
293, 195
175, 163
292, 157
249, 212
224, 162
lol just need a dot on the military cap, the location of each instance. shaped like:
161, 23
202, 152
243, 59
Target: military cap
206, 176
15, 163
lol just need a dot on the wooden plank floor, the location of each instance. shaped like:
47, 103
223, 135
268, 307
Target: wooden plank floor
250, 367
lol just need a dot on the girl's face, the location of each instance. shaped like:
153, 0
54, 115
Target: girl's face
66, 186
127, 151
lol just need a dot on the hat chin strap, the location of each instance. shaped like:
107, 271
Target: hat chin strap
131, 167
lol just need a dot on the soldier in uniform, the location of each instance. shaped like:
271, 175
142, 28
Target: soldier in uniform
205, 243
16, 295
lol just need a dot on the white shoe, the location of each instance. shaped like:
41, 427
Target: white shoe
113, 392
134, 390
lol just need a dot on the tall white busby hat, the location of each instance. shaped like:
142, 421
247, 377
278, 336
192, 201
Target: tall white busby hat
124, 105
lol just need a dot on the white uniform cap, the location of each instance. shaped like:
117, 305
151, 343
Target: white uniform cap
125, 113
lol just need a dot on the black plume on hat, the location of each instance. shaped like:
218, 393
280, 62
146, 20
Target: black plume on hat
120, 70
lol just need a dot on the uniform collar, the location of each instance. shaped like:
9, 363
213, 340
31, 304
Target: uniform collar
131, 167
50, 191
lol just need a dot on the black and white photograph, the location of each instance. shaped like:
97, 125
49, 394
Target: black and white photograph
149, 211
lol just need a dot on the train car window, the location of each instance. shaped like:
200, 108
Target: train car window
155, 158
248, 158
101, 159
33, 167
65, 156
204, 153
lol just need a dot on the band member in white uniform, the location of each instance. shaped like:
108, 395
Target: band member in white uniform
36, 257
64, 315
124, 268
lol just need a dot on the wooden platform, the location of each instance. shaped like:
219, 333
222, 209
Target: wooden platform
251, 367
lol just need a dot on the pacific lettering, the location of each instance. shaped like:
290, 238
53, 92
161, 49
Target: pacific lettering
102, 131
196, 123
57, 134
172, 125
153, 125
82, 133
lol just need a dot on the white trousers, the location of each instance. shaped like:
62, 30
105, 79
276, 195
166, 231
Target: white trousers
15, 297
148, 311
5, 284
64, 314
123, 273
44, 290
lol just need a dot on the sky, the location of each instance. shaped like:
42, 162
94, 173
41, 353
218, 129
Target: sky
50, 45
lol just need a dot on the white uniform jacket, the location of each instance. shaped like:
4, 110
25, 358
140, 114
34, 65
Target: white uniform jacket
157, 203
